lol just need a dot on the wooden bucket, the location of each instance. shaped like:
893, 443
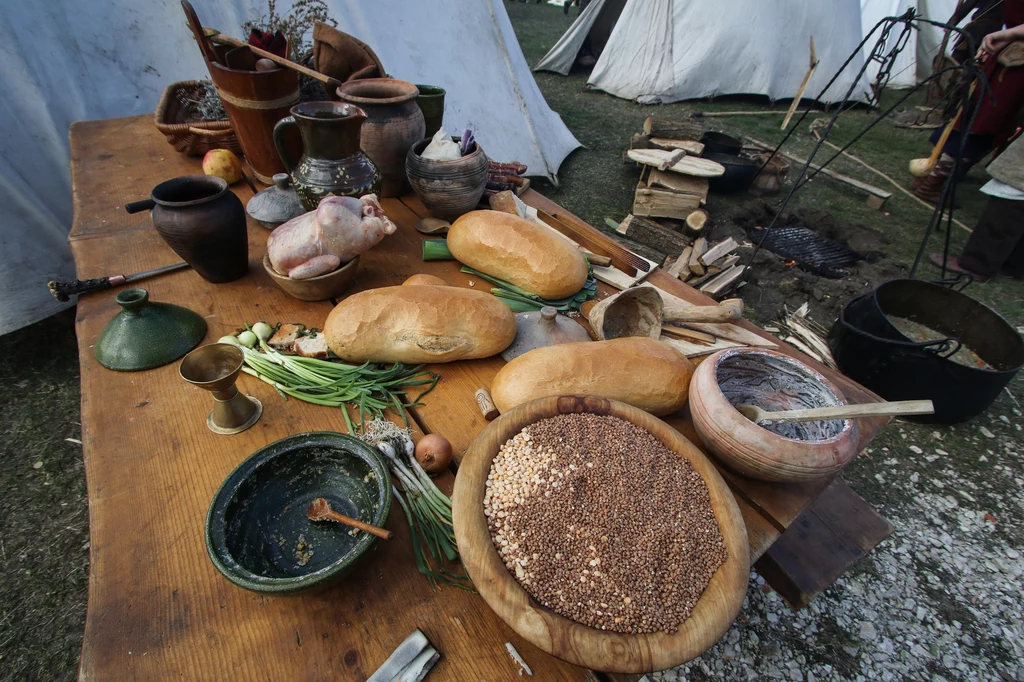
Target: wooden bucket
255, 101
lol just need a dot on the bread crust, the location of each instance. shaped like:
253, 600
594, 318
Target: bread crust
642, 372
519, 251
419, 324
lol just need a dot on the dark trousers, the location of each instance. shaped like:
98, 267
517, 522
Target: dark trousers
997, 243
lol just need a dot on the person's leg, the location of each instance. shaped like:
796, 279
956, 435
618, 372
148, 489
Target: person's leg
996, 239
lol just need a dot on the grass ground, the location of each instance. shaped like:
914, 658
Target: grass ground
911, 473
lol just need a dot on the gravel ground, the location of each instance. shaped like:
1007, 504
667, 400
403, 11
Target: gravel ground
941, 599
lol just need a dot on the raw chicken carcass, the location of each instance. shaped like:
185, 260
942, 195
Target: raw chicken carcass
338, 230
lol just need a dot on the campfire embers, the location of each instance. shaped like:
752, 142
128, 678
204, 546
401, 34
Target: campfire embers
807, 250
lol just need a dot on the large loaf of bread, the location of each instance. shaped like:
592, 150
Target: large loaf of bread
519, 251
642, 372
419, 323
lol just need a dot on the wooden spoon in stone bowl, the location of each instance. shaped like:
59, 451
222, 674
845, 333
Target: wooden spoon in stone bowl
320, 510
893, 409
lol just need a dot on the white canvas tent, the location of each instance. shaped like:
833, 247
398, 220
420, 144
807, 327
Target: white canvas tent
671, 50
914, 63
68, 60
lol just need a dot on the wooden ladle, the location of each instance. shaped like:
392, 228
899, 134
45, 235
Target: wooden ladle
320, 510
901, 407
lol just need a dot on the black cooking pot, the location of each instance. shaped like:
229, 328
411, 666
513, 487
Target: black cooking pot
872, 352
739, 173
720, 143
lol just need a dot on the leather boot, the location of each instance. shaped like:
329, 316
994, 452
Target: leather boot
929, 188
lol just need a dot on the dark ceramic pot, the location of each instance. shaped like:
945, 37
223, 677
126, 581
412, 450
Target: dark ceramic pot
394, 123
332, 163
258, 517
431, 103
146, 334
204, 222
448, 188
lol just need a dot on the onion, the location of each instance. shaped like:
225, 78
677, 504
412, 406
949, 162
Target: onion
229, 339
263, 331
434, 453
247, 339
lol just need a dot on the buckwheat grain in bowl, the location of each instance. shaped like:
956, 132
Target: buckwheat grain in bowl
603, 524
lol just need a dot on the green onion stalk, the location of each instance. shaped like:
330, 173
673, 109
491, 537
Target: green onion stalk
520, 300
427, 510
371, 389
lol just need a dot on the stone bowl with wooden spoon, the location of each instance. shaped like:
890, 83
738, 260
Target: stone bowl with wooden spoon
769, 380
258, 534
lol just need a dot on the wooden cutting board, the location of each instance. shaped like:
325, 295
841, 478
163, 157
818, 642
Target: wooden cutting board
688, 165
596, 649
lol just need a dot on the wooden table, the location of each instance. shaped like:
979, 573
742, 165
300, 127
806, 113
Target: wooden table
157, 607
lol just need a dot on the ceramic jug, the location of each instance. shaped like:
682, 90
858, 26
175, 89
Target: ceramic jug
204, 222
394, 123
332, 162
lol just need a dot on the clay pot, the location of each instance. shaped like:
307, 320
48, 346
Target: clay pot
448, 188
785, 452
320, 288
204, 222
431, 103
332, 162
393, 124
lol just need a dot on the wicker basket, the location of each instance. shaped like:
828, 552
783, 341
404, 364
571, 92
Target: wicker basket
176, 118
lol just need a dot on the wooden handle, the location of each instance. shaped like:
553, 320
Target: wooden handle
937, 152
382, 533
701, 313
595, 259
209, 56
287, 63
486, 404
901, 407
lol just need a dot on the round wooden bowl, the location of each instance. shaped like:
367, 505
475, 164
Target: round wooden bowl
321, 288
775, 382
450, 187
567, 639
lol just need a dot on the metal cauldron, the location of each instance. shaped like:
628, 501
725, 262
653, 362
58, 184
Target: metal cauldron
871, 351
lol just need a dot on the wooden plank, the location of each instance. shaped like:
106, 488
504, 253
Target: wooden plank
719, 250
684, 184
689, 146
723, 280
659, 126
700, 246
681, 267
835, 532
152, 468
652, 234
688, 165
658, 203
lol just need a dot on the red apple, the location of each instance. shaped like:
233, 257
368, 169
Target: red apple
224, 164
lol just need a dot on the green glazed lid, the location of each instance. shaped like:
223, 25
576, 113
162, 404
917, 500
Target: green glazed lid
146, 335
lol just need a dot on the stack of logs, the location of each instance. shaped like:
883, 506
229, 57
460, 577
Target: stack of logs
712, 268
662, 193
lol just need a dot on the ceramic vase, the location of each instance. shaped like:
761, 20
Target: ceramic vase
394, 123
332, 163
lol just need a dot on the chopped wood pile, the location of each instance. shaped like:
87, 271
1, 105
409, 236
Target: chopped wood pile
713, 268
669, 208
798, 330
673, 188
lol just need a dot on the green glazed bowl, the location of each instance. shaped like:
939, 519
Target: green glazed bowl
146, 334
257, 533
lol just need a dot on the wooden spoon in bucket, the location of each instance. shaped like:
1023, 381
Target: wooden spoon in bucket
893, 409
320, 510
